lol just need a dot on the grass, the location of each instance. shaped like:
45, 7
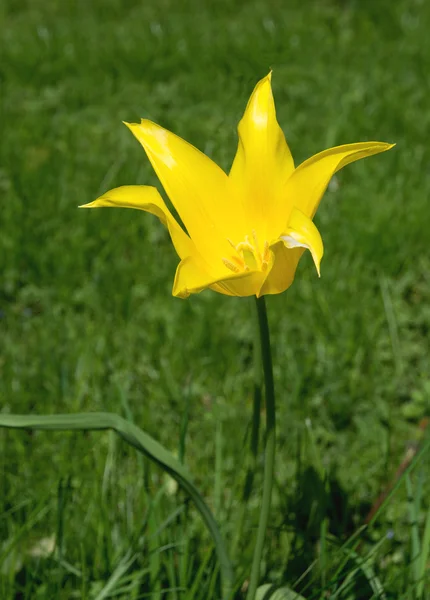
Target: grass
88, 322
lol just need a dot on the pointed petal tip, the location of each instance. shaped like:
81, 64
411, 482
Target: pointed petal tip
130, 126
142, 127
266, 80
99, 202
317, 255
145, 127
149, 123
183, 294
143, 123
303, 233
383, 145
89, 205
263, 85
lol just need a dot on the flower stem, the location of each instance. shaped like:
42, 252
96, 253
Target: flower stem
251, 461
269, 454
256, 409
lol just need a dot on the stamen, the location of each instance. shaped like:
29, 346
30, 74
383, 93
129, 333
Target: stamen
254, 235
247, 255
245, 246
239, 261
266, 252
231, 266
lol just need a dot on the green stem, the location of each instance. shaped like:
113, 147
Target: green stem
256, 408
251, 462
270, 439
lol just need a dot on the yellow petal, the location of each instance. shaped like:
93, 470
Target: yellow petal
249, 285
144, 197
302, 233
309, 181
263, 161
284, 268
197, 187
194, 275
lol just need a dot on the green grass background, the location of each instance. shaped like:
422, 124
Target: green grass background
87, 320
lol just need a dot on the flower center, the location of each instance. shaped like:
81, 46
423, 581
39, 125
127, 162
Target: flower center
248, 255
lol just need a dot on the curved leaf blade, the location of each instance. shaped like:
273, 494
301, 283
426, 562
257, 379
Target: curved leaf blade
136, 437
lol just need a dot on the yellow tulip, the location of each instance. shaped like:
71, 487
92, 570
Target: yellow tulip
246, 231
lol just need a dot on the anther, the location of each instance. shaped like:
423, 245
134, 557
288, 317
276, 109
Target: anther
239, 261
254, 235
266, 252
231, 266
247, 255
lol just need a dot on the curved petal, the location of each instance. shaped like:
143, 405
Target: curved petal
197, 187
193, 275
145, 197
263, 161
309, 181
284, 268
302, 233
240, 287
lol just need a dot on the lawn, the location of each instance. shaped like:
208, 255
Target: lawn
88, 323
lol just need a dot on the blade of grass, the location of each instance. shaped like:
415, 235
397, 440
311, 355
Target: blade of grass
323, 551
410, 467
184, 426
387, 497
116, 578
218, 486
199, 576
424, 558
154, 557
365, 566
37, 515
415, 536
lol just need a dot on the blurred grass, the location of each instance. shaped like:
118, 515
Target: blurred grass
87, 321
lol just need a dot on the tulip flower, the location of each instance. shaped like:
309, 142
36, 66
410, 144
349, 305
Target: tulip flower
245, 231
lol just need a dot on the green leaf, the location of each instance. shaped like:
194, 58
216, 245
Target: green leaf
143, 443
271, 592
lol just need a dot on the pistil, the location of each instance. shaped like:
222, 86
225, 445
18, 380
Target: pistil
248, 255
